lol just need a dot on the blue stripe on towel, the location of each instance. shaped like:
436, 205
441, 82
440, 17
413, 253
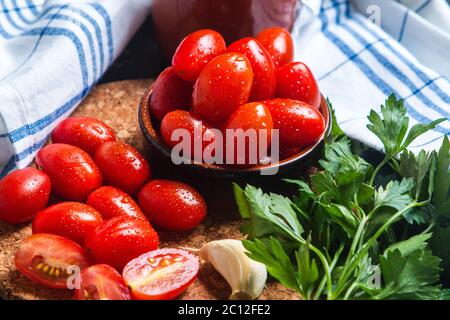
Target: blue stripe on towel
422, 75
21, 15
29, 129
395, 71
32, 7
99, 8
370, 74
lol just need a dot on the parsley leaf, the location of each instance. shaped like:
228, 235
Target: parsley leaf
393, 127
439, 244
410, 271
270, 252
394, 195
267, 214
442, 181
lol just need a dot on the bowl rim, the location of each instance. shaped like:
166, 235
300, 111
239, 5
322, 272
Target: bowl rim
146, 124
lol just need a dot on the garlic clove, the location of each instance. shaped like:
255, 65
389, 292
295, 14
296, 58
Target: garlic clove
245, 276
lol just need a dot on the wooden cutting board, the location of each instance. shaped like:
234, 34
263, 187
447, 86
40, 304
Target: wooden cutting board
117, 104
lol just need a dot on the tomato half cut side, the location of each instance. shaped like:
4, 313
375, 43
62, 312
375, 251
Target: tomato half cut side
102, 282
161, 274
50, 260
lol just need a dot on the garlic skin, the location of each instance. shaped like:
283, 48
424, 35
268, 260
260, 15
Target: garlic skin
245, 276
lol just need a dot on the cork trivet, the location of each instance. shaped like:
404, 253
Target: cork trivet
116, 104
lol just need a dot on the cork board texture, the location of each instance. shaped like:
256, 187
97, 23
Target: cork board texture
117, 104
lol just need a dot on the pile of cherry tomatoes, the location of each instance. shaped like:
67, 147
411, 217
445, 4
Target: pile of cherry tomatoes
95, 229
251, 84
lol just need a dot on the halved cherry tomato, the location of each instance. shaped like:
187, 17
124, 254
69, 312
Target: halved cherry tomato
112, 202
195, 51
161, 274
170, 93
262, 65
253, 116
278, 43
50, 260
196, 128
120, 239
224, 84
122, 166
72, 220
23, 193
72, 171
85, 133
296, 81
102, 282
172, 205
299, 123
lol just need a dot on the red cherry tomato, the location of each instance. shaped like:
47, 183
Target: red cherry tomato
296, 81
122, 166
170, 93
223, 85
195, 51
102, 282
254, 116
83, 132
161, 274
72, 171
299, 123
196, 128
172, 205
278, 43
120, 239
50, 260
23, 193
112, 202
72, 220
289, 152
262, 65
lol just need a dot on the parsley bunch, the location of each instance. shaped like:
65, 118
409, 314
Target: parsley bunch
342, 236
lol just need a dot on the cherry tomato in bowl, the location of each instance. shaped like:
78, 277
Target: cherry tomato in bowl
161, 274
102, 282
172, 205
195, 51
224, 84
112, 202
264, 81
122, 166
278, 43
50, 260
255, 122
72, 220
120, 239
300, 124
85, 133
296, 81
23, 193
193, 126
72, 171
170, 93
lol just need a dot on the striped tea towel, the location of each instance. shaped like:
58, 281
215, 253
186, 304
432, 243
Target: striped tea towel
358, 64
51, 54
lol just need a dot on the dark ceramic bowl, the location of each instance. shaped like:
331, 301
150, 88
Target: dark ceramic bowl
150, 129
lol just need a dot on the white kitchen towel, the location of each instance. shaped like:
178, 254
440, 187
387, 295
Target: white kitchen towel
51, 54
358, 64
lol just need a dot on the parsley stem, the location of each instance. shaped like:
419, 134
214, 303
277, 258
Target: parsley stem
369, 244
326, 266
380, 165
